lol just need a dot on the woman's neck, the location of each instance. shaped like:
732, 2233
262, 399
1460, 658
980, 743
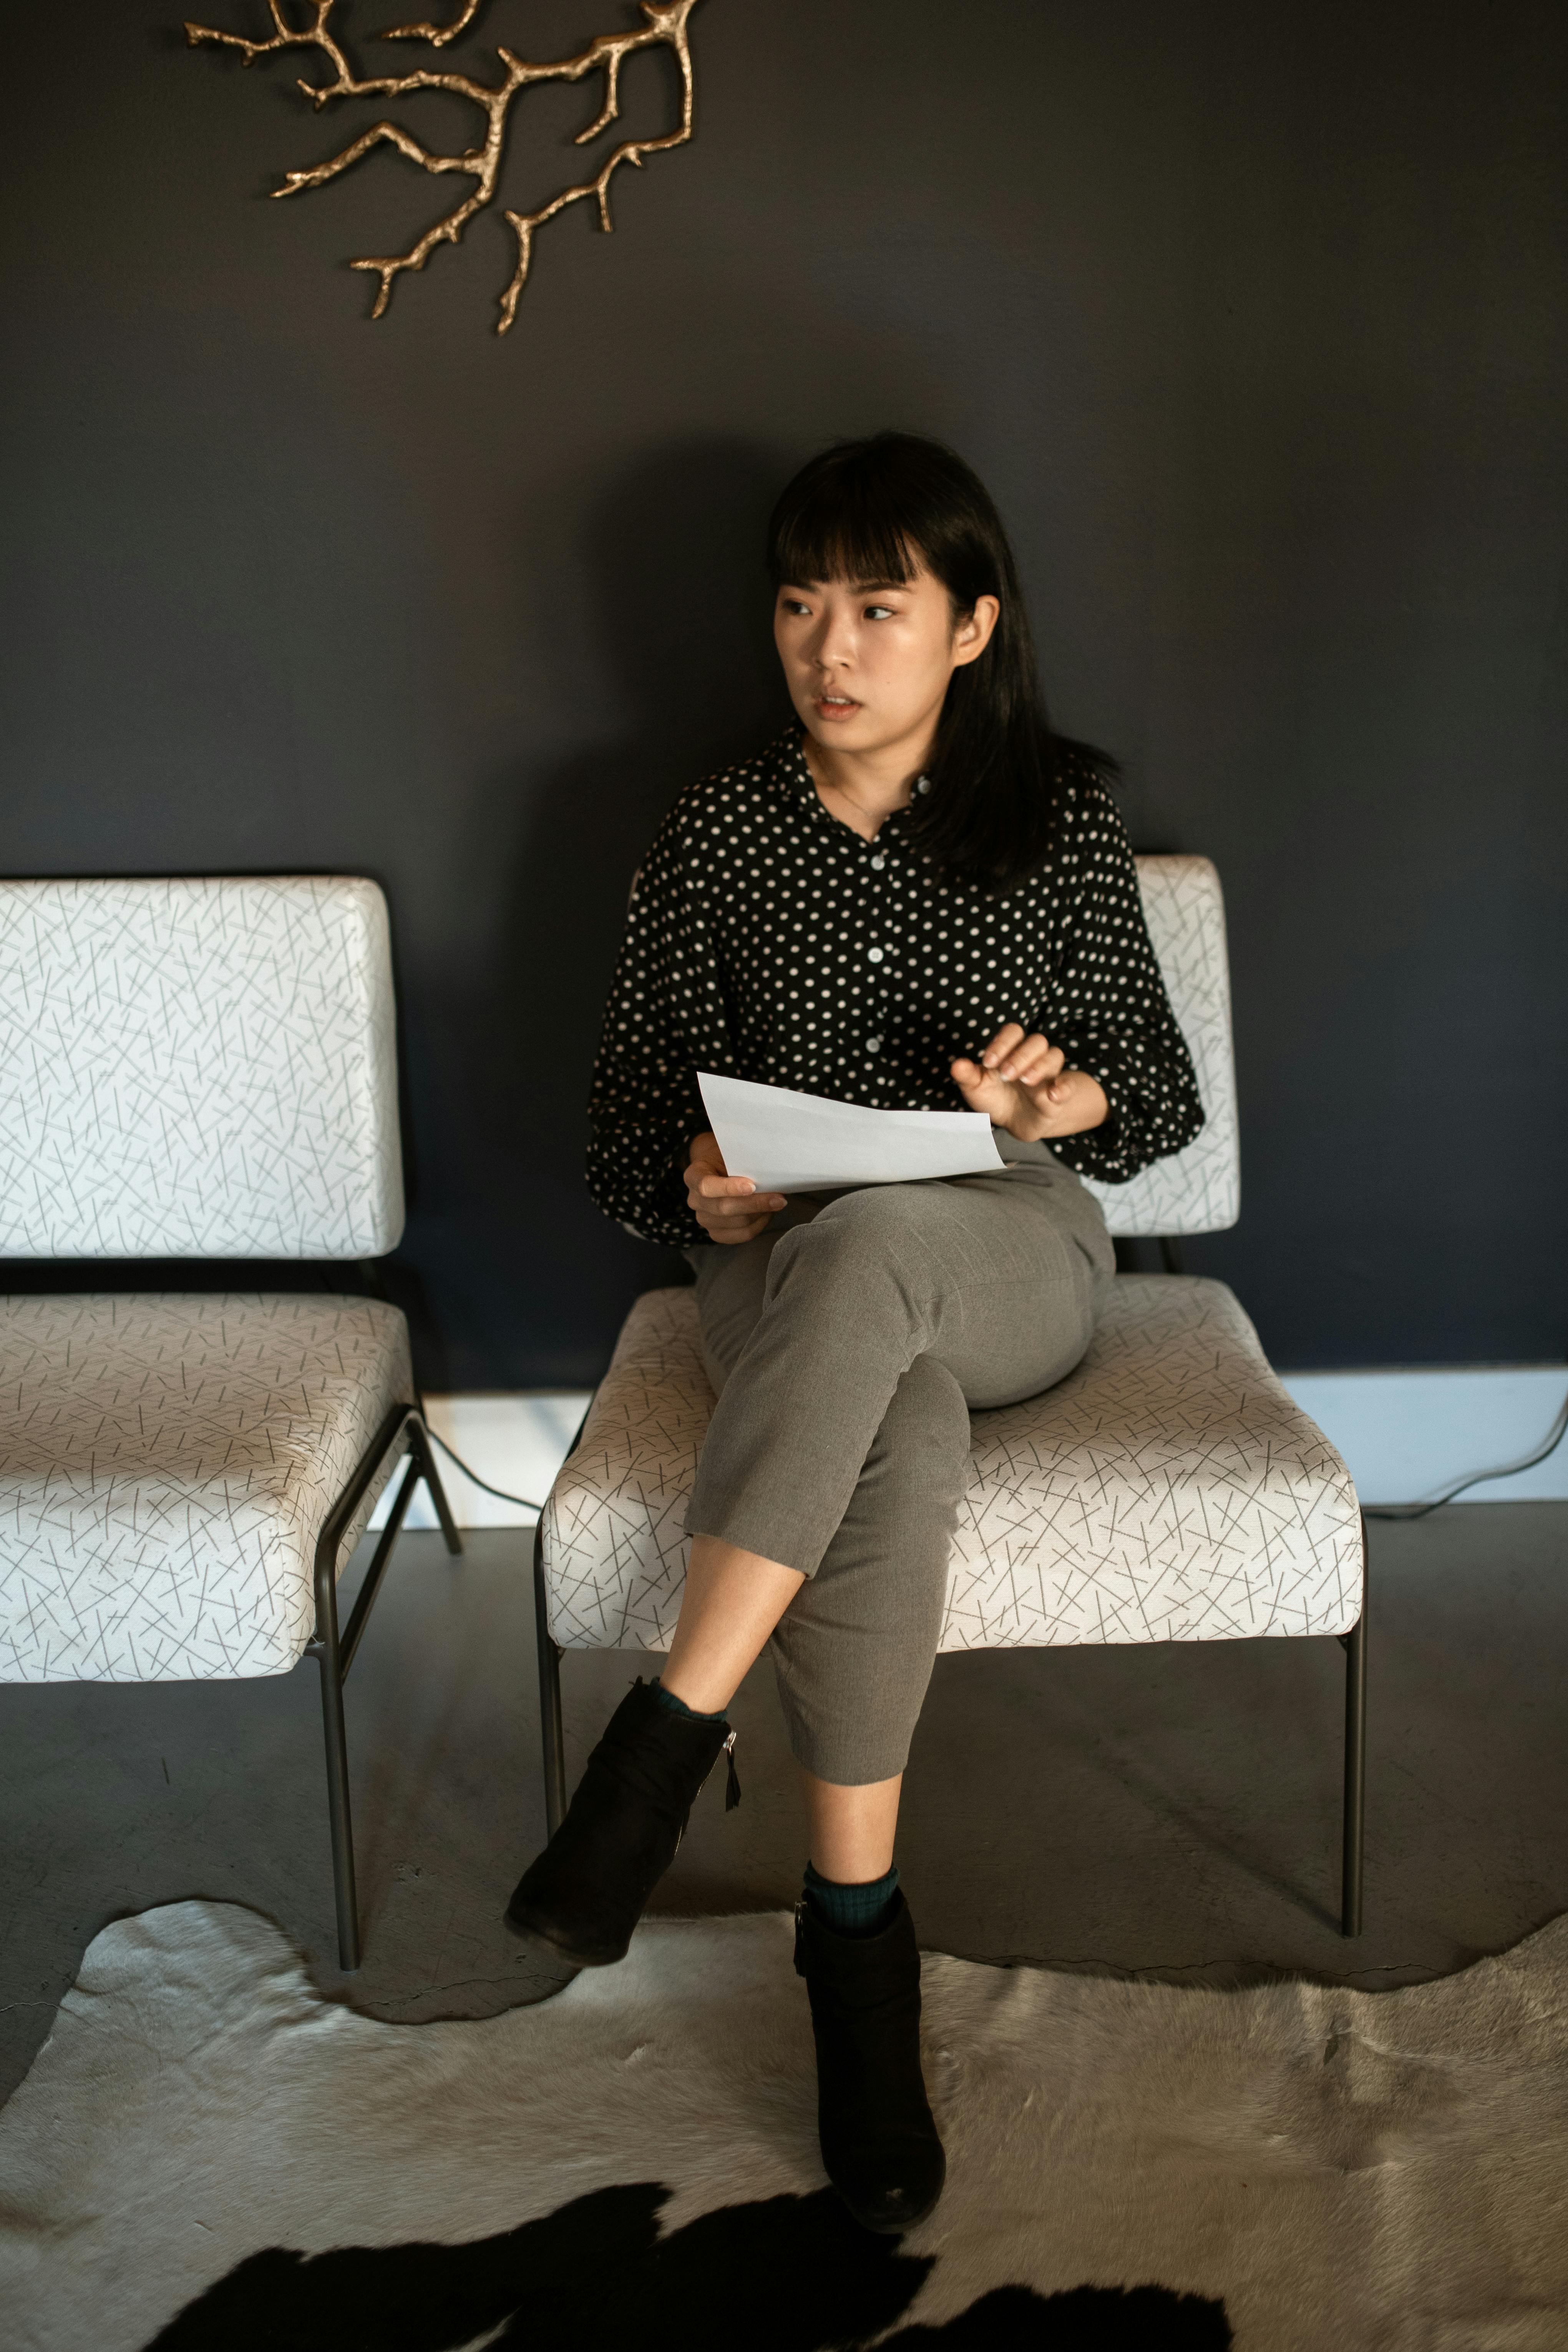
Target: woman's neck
861, 788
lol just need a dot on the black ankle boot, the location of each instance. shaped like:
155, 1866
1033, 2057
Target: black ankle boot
880, 2145
586, 1893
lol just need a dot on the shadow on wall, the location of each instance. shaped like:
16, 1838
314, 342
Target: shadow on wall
680, 616
508, 1274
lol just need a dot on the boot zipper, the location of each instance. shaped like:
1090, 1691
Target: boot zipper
732, 1779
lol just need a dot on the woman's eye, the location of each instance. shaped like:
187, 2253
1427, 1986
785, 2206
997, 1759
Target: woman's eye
793, 604
878, 612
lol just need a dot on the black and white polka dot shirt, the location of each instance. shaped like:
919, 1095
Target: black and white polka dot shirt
767, 940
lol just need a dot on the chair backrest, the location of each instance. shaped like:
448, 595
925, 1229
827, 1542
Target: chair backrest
1197, 1190
197, 1069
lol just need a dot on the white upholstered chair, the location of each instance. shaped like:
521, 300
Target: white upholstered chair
199, 1070
1168, 1490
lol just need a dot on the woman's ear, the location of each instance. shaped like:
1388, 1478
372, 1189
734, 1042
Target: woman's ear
973, 633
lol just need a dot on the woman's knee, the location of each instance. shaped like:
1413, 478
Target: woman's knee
877, 1213
911, 1484
862, 1235
928, 1415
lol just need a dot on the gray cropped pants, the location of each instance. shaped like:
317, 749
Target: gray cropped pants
847, 1344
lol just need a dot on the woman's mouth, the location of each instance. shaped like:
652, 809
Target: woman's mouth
835, 706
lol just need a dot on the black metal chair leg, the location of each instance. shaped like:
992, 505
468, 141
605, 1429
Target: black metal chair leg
425, 1453
333, 1651
343, 1886
1354, 1847
550, 1725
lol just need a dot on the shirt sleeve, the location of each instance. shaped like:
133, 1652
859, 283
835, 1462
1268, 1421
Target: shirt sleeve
665, 1004
1113, 1017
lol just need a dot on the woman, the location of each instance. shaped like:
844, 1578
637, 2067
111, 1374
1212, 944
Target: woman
920, 897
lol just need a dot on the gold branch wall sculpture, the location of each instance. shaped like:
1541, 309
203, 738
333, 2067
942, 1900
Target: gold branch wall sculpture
666, 27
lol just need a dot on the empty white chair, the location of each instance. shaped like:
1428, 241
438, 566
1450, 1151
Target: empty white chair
200, 1069
1168, 1490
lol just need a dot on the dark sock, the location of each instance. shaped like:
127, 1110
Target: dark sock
853, 1910
678, 1705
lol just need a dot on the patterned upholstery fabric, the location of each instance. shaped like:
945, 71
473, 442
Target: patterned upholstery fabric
1168, 1490
197, 1069
1197, 1190
166, 1463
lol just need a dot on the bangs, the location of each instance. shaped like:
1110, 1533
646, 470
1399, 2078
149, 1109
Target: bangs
836, 526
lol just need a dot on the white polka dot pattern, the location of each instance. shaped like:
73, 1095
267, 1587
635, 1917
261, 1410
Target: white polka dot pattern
1168, 1490
197, 1069
766, 940
167, 1461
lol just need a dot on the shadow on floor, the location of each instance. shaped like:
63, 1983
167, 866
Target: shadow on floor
1167, 1812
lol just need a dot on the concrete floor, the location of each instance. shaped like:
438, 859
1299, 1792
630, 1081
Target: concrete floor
1167, 1812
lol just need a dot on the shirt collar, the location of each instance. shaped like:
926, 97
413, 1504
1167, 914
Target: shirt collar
789, 767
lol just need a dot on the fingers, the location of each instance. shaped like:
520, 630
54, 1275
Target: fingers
972, 1080
747, 1231
1025, 1061
704, 1186
707, 1180
1070, 1105
1036, 1064
1013, 1059
1020, 1060
1000, 1049
728, 1208
731, 1220
728, 1196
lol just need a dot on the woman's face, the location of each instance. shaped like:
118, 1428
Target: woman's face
867, 662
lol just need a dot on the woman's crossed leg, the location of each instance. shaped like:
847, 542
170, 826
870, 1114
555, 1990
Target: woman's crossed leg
847, 1349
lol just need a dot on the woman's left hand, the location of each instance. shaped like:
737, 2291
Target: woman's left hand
1022, 1084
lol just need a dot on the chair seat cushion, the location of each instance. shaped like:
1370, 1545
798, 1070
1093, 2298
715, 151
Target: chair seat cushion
167, 1461
1168, 1490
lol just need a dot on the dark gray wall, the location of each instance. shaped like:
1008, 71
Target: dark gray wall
1252, 317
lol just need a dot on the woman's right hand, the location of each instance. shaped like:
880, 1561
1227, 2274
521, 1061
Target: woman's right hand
728, 1208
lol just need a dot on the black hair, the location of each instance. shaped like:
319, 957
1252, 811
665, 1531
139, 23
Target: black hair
879, 509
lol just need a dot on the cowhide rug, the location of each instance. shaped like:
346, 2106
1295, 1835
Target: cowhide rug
209, 2157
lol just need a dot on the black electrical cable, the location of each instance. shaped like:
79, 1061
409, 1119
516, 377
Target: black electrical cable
1507, 1470
498, 1492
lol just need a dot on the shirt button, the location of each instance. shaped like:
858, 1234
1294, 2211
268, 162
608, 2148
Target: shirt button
874, 955
878, 863
873, 1044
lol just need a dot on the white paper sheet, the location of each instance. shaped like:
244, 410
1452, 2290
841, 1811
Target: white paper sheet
787, 1142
